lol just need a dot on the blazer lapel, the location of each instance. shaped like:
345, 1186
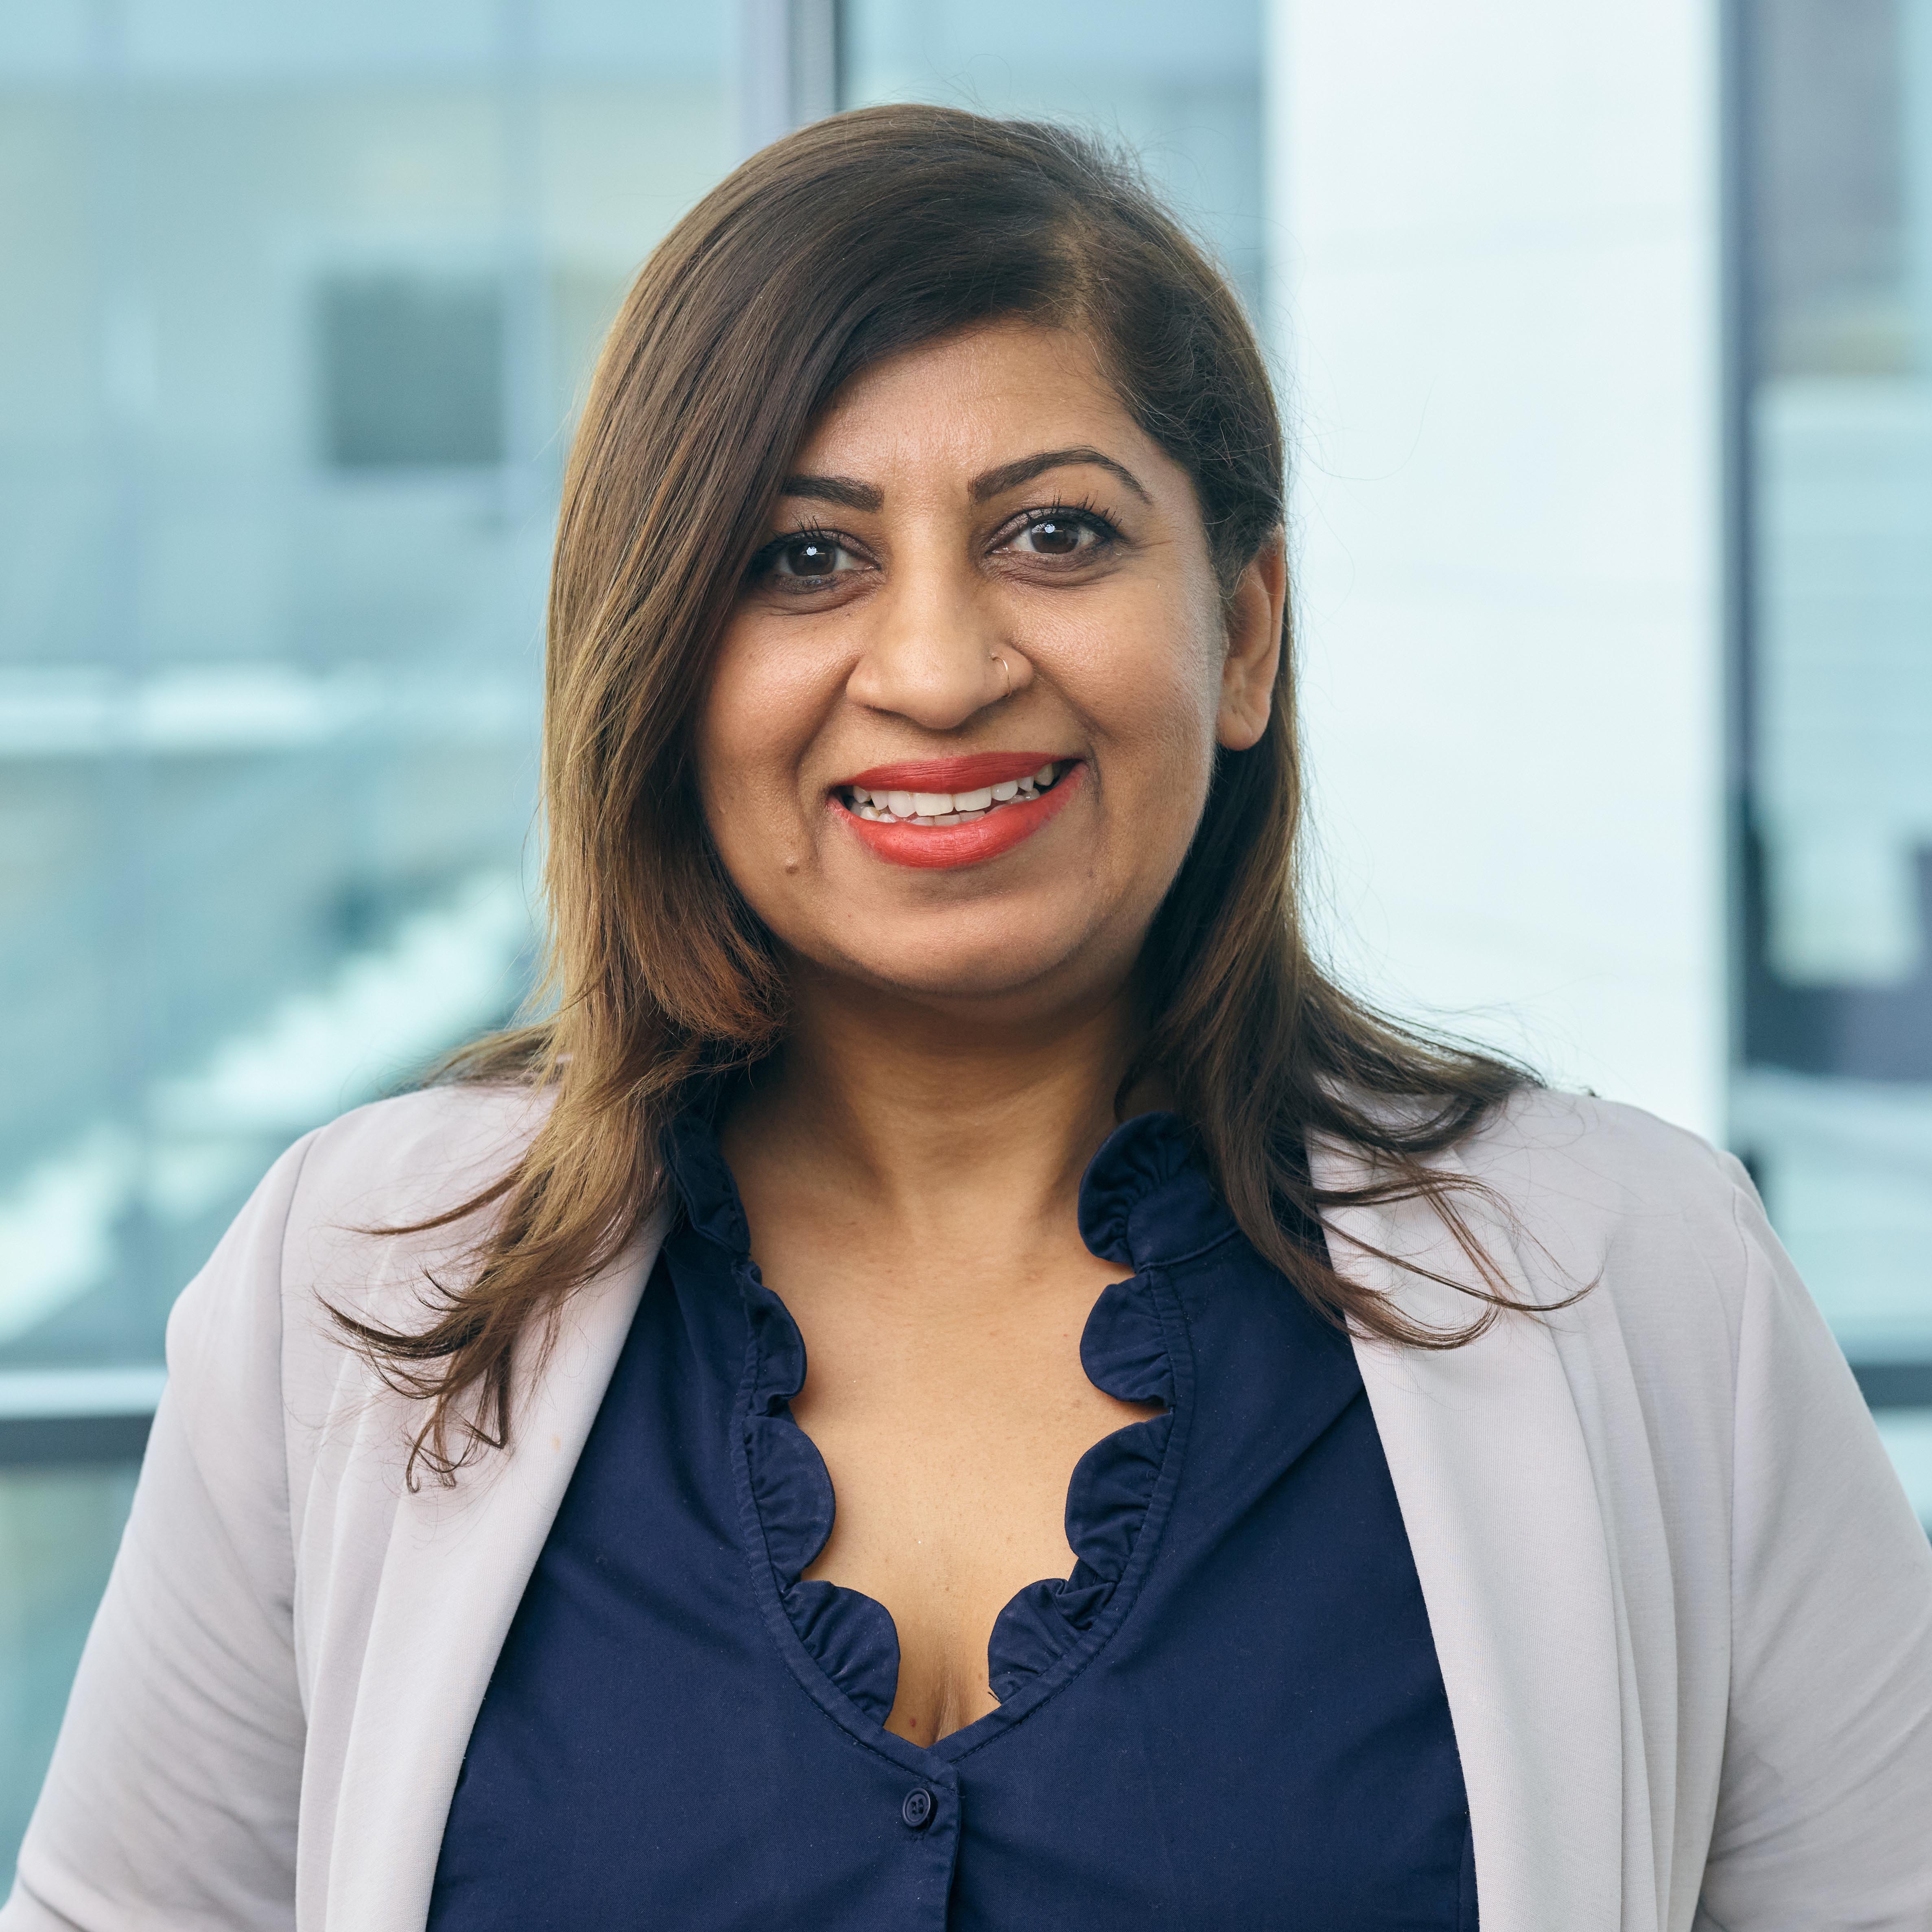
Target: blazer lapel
454, 1574
1487, 1454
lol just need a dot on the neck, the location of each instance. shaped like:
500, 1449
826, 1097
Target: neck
933, 1121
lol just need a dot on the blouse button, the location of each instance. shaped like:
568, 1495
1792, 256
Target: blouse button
918, 1809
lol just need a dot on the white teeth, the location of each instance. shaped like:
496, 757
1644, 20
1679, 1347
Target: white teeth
939, 807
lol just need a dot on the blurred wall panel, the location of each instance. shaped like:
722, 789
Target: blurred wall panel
1496, 254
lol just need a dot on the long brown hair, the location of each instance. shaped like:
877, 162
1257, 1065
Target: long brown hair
845, 243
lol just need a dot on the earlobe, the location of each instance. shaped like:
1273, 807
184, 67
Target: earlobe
1254, 629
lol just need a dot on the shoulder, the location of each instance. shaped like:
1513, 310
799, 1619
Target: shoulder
417, 1155
1659, 1224
1583, 1171
1558, 1153
369, 1178
425, 1148
325, 1228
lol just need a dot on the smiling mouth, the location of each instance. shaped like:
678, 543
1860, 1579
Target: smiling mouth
950, 807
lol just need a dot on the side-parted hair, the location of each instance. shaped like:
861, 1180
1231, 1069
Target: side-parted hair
848, 242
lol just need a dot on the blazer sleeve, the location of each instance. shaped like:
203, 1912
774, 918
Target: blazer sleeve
1825, 1807
171, 1801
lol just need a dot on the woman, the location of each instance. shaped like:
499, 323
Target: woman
1448, 1501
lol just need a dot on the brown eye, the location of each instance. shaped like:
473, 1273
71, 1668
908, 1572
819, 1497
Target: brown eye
1062, 536
1054, 536
807, 556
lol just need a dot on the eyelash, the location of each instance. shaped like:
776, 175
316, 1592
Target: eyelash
1080, 511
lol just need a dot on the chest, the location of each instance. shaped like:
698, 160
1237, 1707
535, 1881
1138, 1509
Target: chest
950, 1430
1236, 1703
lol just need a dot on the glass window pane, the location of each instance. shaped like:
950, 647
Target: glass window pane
1188, 99
298, 301
1834, 1105
59, 1528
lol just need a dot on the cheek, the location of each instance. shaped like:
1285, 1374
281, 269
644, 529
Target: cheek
755, 723
1152, 684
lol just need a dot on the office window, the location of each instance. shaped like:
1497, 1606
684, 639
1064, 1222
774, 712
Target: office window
1833, 1104
297, 303
1184, 92
58, 1526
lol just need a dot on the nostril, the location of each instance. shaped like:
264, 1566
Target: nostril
937, 682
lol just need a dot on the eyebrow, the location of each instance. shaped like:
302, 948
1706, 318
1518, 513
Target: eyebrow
846, 491
851, 494
1011, 475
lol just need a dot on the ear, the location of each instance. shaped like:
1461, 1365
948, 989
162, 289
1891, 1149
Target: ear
1254, 621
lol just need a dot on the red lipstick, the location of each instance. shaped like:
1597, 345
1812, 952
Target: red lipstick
962, 774
934, 847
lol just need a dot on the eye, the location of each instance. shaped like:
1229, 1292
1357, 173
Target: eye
1061, 535
811, 556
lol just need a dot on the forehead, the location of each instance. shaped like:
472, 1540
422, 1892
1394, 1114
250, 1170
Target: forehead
971, 400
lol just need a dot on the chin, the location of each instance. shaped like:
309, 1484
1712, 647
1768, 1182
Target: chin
969, 973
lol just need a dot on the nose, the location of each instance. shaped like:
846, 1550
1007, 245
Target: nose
936, 653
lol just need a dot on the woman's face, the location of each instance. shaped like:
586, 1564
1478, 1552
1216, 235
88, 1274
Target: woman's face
964, 715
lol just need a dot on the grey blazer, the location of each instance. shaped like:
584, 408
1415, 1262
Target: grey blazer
1683, 1610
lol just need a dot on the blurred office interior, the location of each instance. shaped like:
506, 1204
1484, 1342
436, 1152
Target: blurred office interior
1606, 339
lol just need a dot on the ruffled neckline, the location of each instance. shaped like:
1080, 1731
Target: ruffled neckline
1144, 1201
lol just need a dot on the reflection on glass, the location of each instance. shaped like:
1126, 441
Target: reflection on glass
1835, 1104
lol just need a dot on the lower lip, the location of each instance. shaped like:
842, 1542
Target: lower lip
938, 847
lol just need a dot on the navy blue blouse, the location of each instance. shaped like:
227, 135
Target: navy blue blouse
1230, 1714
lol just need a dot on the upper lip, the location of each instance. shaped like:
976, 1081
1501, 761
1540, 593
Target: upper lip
967, 773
